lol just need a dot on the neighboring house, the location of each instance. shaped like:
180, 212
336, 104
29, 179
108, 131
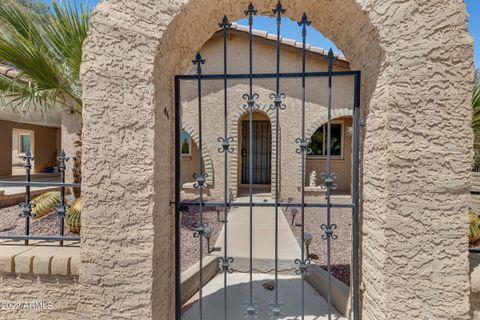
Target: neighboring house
264, 53
24, 131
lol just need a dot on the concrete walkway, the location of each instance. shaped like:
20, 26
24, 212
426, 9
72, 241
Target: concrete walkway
42, 177
289, 290
263, 239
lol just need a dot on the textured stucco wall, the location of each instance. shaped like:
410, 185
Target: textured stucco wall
416, 60
59, 295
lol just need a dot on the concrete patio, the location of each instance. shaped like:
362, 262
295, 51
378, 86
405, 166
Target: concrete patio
289, 290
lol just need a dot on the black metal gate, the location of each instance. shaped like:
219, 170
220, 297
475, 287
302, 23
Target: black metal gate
251, 308
262, 152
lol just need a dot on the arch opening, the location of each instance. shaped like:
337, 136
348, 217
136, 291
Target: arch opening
211, 100
202, 106
262, 146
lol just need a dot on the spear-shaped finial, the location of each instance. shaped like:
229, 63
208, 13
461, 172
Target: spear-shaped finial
250, 12
225, 24
278, 9
198, 62
304, 22
330, 59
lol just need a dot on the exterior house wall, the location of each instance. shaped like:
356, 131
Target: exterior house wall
45, 145
264, 53
417, 76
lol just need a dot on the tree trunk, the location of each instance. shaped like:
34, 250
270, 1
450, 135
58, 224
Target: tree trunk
72, 145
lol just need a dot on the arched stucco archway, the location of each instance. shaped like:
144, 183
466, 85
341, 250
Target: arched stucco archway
417, 70
207, 159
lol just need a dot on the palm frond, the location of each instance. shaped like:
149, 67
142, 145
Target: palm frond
46, 51
476, 111
19, 20
476, 126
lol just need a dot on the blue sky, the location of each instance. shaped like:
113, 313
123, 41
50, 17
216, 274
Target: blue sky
291, 30
473, 8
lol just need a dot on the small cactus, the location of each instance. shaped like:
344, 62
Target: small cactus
73, 216
45, 203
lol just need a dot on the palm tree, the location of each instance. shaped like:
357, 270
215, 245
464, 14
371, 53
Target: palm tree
476, 123
47, 53
45, 50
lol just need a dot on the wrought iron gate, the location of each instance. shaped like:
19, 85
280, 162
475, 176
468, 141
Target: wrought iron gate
251, 308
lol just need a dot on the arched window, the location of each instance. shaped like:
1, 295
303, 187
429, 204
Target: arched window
318, 145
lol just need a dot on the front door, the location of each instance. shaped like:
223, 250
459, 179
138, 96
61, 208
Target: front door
262, 152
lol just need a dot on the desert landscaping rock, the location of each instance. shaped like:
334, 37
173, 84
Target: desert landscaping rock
12, 223
340, 248
190, 247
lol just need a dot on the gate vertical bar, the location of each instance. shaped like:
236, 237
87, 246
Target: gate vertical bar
356, 201
200, 182
329, 184
277, 96
225, 260
250, 155
61, 209
178, 298
27, 206
304, 262
250, 307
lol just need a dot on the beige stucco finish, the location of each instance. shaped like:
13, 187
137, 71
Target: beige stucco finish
416, 59
42, 297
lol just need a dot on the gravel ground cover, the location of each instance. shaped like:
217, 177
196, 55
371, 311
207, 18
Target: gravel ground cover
340, 248
11, 223
190, 245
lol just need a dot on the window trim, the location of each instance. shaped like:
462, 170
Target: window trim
342, 142
189, 154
